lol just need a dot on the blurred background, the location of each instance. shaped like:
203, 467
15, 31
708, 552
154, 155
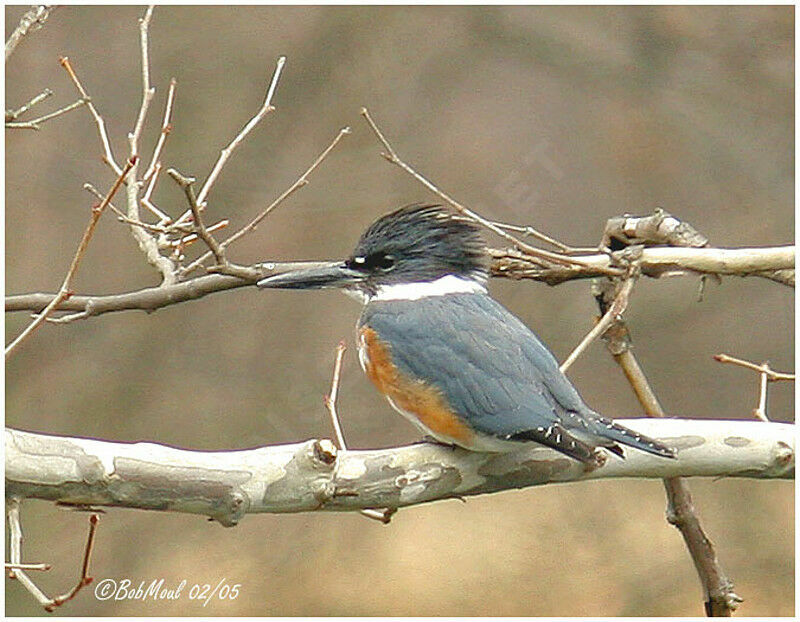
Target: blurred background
557, 117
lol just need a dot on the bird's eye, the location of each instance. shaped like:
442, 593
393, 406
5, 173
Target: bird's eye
381, 261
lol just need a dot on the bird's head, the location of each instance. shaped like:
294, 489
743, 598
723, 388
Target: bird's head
416, 244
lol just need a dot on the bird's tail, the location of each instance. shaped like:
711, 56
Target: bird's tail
613, 431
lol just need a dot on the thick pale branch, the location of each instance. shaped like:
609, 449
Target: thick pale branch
311, 476
30, 22
657, 262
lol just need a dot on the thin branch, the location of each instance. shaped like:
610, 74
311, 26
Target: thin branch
35, 124
122, 217
385, 515
527, 230
43, 567
226, 153
13, 115
200, 228
330, 399
84, 579
253, 224
149, 191
15, 552
101, 125
17, 568
147, 91
30, 22
766, 375
392, 157
721, 600
166, 128
613, 314
66, 287
760, 411
764, 368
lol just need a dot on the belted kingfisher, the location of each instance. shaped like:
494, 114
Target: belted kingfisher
446, 355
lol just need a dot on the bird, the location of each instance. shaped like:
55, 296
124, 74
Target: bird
449, 357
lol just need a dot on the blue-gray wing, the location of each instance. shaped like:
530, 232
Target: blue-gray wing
490, 367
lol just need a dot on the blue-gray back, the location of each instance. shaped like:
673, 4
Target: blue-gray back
489, 365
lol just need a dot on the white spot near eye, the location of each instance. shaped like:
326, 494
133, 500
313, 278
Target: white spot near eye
359, 259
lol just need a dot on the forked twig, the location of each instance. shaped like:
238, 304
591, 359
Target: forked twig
13, 115
35, 124
766, 375
16, 569
65, 290
392, 157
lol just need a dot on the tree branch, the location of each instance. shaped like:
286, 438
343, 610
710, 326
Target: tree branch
31, 21
774, 262
313, 475
654, 262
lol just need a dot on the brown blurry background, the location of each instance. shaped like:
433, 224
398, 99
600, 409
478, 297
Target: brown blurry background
555, 117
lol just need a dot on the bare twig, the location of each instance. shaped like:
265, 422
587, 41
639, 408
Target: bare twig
330, 399
35, 124
101, 126
166, 128
226, 153
612, 315
527, 230
200, 228
43, 567
253, 224
383, 515
392, 157
65, 290
163, 218
147, 91
192, 237
764, 368
13, 115
122, 217
31, 21
15, 552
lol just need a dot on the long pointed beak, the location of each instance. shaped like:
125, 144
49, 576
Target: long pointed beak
333, 274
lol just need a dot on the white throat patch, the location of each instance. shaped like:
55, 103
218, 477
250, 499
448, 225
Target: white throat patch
449, 284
